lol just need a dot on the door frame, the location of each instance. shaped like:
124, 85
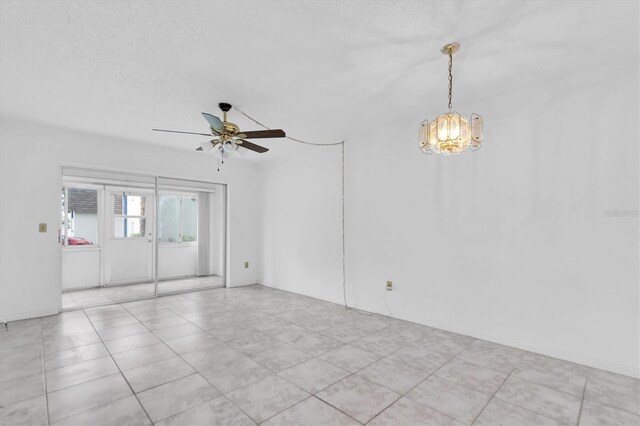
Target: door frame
156, 177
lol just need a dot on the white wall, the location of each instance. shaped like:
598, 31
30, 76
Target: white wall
80, 267
177, 260
511, 244
30, 178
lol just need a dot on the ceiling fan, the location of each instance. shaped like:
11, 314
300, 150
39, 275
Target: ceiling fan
227, 136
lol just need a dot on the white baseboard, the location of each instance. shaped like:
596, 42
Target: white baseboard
241, 285
627, 370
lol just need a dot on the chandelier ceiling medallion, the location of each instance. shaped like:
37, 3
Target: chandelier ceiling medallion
451, 133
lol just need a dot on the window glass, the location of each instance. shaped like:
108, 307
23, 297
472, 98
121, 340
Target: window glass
169, 219
129, 216
178, 218
189, 219
82, 217
129, 205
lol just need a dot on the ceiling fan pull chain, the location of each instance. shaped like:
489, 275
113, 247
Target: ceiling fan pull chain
450, 79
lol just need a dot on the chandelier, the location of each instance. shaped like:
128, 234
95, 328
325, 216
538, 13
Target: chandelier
451, 133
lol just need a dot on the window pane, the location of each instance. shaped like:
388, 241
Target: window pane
82, 211
129, 205
124, 206
189, 219
169, 219
128, 227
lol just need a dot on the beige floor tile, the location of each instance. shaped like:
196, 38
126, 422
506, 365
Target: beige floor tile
406, 412
142, 356
29, 412
76, 399
174, 397
157, 373
498, 412
613, 393
358, 397
234, 374
594, 414
266, 398
473, 376
121, 412
79, 373
545, 401
280, 357
454, 400
125, 344
393, 375
349, 358
311, 412
314, 375
75, 355
219, 411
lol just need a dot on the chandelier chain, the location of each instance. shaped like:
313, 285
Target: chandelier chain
450, 78
341, 144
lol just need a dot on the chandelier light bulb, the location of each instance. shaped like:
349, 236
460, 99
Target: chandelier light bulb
451, 133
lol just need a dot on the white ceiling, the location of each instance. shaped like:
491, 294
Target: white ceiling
323, 71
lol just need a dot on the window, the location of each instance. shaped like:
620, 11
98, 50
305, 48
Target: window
79, 208
129, 215
178, 218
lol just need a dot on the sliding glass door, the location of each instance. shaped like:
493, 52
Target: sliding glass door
188, 252
127, 237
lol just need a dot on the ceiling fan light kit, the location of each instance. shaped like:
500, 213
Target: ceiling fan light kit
451, 133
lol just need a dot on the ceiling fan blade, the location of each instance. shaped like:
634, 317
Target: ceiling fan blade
178, 131
214, 122
274, 133
251, 146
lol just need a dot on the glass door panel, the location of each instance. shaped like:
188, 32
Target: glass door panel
128, 251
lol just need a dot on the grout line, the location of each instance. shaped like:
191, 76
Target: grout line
221, 394
584, 391
119, 370
277, 374
253, 307
492, 397
44, 373
404, 395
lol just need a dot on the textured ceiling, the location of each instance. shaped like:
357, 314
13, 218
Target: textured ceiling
323, 71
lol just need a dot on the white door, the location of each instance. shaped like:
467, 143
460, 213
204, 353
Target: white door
128, 242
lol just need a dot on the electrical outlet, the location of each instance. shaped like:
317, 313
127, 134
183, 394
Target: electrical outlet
42, 227
246, 265
389, 285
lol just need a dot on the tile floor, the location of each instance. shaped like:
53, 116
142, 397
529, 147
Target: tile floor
99, 296
252, 355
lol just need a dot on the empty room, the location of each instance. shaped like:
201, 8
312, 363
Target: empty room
318, 213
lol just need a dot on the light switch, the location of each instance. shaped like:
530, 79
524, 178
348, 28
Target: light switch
42, 227
246, 265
